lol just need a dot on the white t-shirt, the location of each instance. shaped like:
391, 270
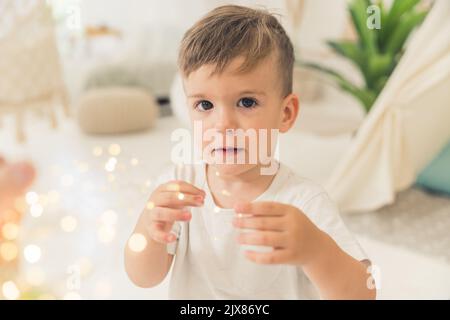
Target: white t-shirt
210, 264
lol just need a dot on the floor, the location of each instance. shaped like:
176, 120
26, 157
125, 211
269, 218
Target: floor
410, 242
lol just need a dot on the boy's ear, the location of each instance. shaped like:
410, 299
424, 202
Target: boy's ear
289, 112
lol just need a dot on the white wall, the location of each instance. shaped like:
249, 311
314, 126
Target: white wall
152, 31
161, 24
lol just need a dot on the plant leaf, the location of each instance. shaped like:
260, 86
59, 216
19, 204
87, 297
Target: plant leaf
378, 65
388, 26
348, 49
358, 14
403, 30
365, 96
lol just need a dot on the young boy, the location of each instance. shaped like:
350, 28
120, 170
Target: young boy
234, 232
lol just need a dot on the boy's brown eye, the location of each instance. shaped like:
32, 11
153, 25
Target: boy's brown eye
247, 103
204, 105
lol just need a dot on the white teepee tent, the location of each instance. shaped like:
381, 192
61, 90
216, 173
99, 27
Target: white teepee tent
408, 125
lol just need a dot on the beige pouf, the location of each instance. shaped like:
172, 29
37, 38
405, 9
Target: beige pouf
116, 110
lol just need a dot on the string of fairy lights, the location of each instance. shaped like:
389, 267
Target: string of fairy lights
42, 214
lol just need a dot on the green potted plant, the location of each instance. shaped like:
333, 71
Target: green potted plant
376, 51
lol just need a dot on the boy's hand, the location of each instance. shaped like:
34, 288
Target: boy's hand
167, 205
283, 227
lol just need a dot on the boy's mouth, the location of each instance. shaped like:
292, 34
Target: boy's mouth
228, 150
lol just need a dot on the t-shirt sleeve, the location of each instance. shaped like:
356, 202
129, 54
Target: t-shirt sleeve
324, 213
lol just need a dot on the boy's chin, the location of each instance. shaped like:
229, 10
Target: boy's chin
231, 169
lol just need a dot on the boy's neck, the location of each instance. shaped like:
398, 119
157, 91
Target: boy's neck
229, 190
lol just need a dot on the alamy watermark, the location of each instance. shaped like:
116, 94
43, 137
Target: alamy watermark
374, 19
235, 146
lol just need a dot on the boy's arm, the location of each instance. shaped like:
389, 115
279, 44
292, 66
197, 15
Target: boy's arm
336, 274
167, 204
149, 267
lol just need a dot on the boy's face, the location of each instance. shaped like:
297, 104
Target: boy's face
233, 100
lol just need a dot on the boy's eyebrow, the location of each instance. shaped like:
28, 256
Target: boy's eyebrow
261, 93
199, 95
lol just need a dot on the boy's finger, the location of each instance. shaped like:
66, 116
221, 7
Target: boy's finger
169, 214
178, 200
259, 223
269, 208
277, 256
160, 235
182, 186
263, 238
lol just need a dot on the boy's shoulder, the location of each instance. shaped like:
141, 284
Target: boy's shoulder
300, 189
312, 199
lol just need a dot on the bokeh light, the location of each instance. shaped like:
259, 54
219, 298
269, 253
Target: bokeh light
110, 165
36, 210
32, 253
68, 223
35, 276
9, 251
106, 233
137, 242
114, 149
97, 151
10, 290
10, 231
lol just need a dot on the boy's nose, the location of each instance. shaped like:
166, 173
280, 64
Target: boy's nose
225, 120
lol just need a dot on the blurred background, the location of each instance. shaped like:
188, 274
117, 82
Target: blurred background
90, 94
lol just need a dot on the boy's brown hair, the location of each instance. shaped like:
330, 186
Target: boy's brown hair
231, 31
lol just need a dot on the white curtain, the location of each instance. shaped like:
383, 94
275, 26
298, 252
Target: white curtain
408, 125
